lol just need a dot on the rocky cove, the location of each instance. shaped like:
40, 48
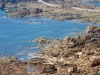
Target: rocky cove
67, 56
62, 55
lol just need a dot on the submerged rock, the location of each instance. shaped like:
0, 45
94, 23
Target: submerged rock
42, 40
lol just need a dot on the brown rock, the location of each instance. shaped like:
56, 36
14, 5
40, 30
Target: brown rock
51, 69
36, 11
95, 62
42, 40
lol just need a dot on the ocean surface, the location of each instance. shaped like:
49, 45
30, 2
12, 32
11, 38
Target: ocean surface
94, 3
16, 34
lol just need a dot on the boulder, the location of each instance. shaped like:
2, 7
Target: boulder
36, 11
92, 29
42, 40
47, 68
95, 62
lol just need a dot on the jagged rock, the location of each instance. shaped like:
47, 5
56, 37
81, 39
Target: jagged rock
36, 11
9, 59
72, 69
95, 62
79, 51
42, 40
55, 54
92, 29
13, 68
51, 69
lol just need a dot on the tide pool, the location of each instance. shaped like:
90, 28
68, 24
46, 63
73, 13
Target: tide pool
16, 34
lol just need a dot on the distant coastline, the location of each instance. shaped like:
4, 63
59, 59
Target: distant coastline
32, 9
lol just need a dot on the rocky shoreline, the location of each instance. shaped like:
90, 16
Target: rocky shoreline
60, 12
68, 56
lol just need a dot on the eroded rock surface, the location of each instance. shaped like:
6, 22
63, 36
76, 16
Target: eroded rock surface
84, 52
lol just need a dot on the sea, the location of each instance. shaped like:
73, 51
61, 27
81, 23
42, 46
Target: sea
17, 34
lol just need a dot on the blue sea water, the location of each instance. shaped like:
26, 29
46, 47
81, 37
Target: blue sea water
94, 3
16, 33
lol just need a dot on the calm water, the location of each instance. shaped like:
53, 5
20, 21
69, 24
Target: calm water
16, 33
94, 3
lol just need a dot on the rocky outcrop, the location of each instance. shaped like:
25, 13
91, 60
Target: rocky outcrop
67, 56
76, 55
9, 59
19, 13
95, 62
42, 41
47, 68
12, 66
36, 11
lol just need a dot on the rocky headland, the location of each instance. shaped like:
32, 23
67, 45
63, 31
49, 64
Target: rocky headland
68, 56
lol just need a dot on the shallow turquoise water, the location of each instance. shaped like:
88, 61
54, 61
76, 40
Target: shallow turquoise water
16, 33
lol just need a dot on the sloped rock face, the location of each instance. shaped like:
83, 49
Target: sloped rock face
8, 59
12, 69
84, 52
12, 66
51, 69
19, 13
